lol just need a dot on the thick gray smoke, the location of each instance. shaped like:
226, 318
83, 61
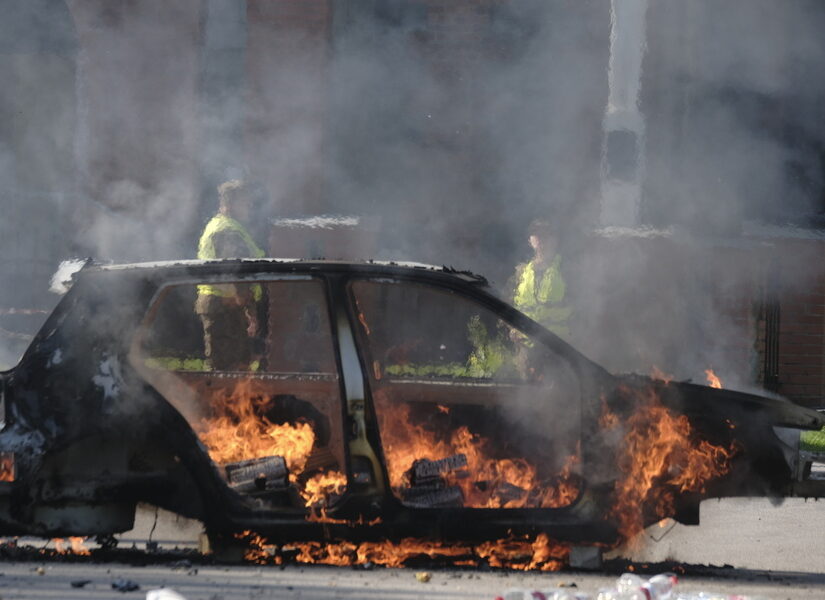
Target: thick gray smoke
467, 124
733, 151
733, 92
455, 124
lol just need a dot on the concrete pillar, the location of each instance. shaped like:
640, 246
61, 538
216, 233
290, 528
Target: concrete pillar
622, 168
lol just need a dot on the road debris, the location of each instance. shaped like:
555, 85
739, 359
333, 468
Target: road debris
125, 585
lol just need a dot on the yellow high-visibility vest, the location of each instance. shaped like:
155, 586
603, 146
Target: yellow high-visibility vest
543, 300
221, 223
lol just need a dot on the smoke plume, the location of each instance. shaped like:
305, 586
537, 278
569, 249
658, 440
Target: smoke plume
456, 124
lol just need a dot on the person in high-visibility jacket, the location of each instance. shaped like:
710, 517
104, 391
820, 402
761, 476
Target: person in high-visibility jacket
539, 290
230, 312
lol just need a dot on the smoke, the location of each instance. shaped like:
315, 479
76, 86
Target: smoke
469, 116
745, 136
455, 125
732, 168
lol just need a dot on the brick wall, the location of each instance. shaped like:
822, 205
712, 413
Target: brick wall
802, 323
780, 309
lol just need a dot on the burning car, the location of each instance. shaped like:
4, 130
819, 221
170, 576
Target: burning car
377, 401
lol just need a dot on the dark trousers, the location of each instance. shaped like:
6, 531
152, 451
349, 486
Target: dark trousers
227, 344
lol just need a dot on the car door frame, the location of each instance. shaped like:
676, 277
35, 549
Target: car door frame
582, 519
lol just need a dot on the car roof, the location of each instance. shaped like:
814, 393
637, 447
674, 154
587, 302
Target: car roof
159, 271
390, 268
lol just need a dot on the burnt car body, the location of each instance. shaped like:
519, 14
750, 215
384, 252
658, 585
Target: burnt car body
115, 403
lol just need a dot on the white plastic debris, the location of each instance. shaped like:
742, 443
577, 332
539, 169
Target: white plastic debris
628, 587
62, 278
163, 594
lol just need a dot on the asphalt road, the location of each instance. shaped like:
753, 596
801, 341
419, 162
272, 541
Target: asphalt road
54, 580
776, 553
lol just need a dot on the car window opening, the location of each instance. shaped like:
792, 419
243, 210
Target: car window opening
471, 412
251, 367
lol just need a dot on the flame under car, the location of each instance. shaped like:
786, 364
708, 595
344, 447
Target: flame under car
370, 401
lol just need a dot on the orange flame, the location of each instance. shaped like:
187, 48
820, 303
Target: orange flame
6, 466
239, 429
713, 379
657, 373
322, 485
515, 553
76, 543
542, 554
661, 457
259, 552
607, 420
508, 482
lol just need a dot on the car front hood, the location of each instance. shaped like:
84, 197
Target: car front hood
701, 400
